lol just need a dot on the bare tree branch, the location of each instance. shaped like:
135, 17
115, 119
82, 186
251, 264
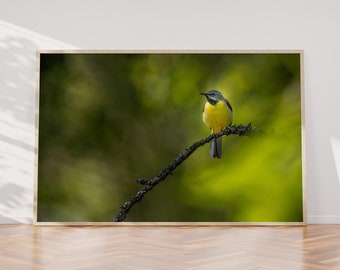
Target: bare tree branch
240, 130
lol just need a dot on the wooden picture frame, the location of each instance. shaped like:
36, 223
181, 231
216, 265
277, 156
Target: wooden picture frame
107, 118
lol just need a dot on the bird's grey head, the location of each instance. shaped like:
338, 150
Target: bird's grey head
213, 96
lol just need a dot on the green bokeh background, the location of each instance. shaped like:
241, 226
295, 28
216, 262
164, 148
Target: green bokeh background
107, 119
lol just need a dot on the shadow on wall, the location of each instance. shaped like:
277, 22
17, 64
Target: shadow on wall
17, 128
335, 143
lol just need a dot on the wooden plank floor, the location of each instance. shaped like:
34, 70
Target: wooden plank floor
307, 247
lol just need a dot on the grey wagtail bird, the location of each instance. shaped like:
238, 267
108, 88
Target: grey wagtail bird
217, 115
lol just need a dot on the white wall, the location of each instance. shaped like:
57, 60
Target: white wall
310, 25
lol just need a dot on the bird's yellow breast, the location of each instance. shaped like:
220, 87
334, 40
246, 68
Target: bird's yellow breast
217, 117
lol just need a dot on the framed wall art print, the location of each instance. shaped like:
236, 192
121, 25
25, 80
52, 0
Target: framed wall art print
170, 137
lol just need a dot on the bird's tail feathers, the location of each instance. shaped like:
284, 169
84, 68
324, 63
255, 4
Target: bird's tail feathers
216, 148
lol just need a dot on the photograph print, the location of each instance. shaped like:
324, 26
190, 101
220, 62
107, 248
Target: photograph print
170, 137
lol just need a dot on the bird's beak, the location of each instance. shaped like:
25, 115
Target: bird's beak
204, 94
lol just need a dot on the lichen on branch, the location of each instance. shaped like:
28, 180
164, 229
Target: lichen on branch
149, 184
